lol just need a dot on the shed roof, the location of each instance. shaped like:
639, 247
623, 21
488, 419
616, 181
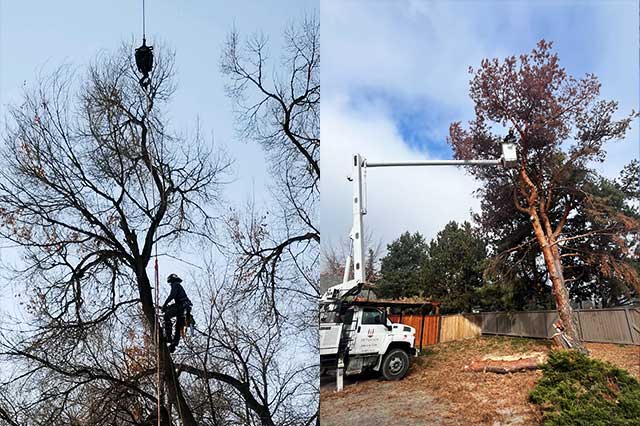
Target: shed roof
383, 303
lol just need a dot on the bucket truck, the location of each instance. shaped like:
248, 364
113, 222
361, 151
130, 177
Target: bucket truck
355, 337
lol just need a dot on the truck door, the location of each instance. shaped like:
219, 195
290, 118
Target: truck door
370, 332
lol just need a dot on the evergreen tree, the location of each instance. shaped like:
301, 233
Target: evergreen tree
600, 267
401, 268
453, 267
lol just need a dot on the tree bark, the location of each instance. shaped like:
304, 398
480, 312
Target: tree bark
546, 238
166, 363
551, 255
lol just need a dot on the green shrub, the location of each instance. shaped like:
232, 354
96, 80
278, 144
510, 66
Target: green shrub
578, 390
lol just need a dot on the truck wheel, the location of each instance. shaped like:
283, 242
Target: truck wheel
395, 364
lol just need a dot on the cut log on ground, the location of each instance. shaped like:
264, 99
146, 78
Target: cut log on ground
507, 364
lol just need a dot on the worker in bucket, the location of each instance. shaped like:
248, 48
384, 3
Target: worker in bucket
180, 310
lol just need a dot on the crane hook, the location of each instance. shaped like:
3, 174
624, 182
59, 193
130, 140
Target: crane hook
144, 62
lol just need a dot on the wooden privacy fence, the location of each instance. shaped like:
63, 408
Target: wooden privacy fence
457, 327
612, 325
426, 327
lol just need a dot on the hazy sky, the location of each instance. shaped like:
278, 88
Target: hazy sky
395, 75
38, 36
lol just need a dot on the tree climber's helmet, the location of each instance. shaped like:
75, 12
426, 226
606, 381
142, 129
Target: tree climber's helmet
173, 278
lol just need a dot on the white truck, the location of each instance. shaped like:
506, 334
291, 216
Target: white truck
361, 337
355, 336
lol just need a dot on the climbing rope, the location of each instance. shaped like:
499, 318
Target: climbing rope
157, 324
156, 268
144, 62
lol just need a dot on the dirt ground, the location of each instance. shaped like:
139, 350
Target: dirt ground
437, 390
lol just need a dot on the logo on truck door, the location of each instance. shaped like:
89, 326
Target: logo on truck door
370, 332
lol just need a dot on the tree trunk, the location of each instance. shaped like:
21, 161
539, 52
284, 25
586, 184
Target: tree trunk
551, 254
166, 363
171, 379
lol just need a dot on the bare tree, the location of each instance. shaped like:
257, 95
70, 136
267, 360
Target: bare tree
254, 365
276, 247
90, 182
334, 258
278, 253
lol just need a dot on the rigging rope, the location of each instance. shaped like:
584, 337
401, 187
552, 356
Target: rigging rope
143, 22
156, 269
157, 319
157, 284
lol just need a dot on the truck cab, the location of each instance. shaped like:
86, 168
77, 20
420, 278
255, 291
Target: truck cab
365, 339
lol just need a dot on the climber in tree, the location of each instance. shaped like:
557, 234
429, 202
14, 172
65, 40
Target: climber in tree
180, 309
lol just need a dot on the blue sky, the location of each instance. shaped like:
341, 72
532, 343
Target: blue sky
38, 36
395, 75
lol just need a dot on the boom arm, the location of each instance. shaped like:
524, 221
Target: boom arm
508, 159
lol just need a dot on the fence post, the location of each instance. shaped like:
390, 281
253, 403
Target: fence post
626, 316
422, 329
579, 324
635, 327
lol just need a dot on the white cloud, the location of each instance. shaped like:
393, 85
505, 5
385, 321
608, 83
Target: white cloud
383, 55
399, 199
407, 51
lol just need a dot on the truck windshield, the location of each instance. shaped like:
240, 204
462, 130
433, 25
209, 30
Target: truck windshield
328, 316
333, 316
